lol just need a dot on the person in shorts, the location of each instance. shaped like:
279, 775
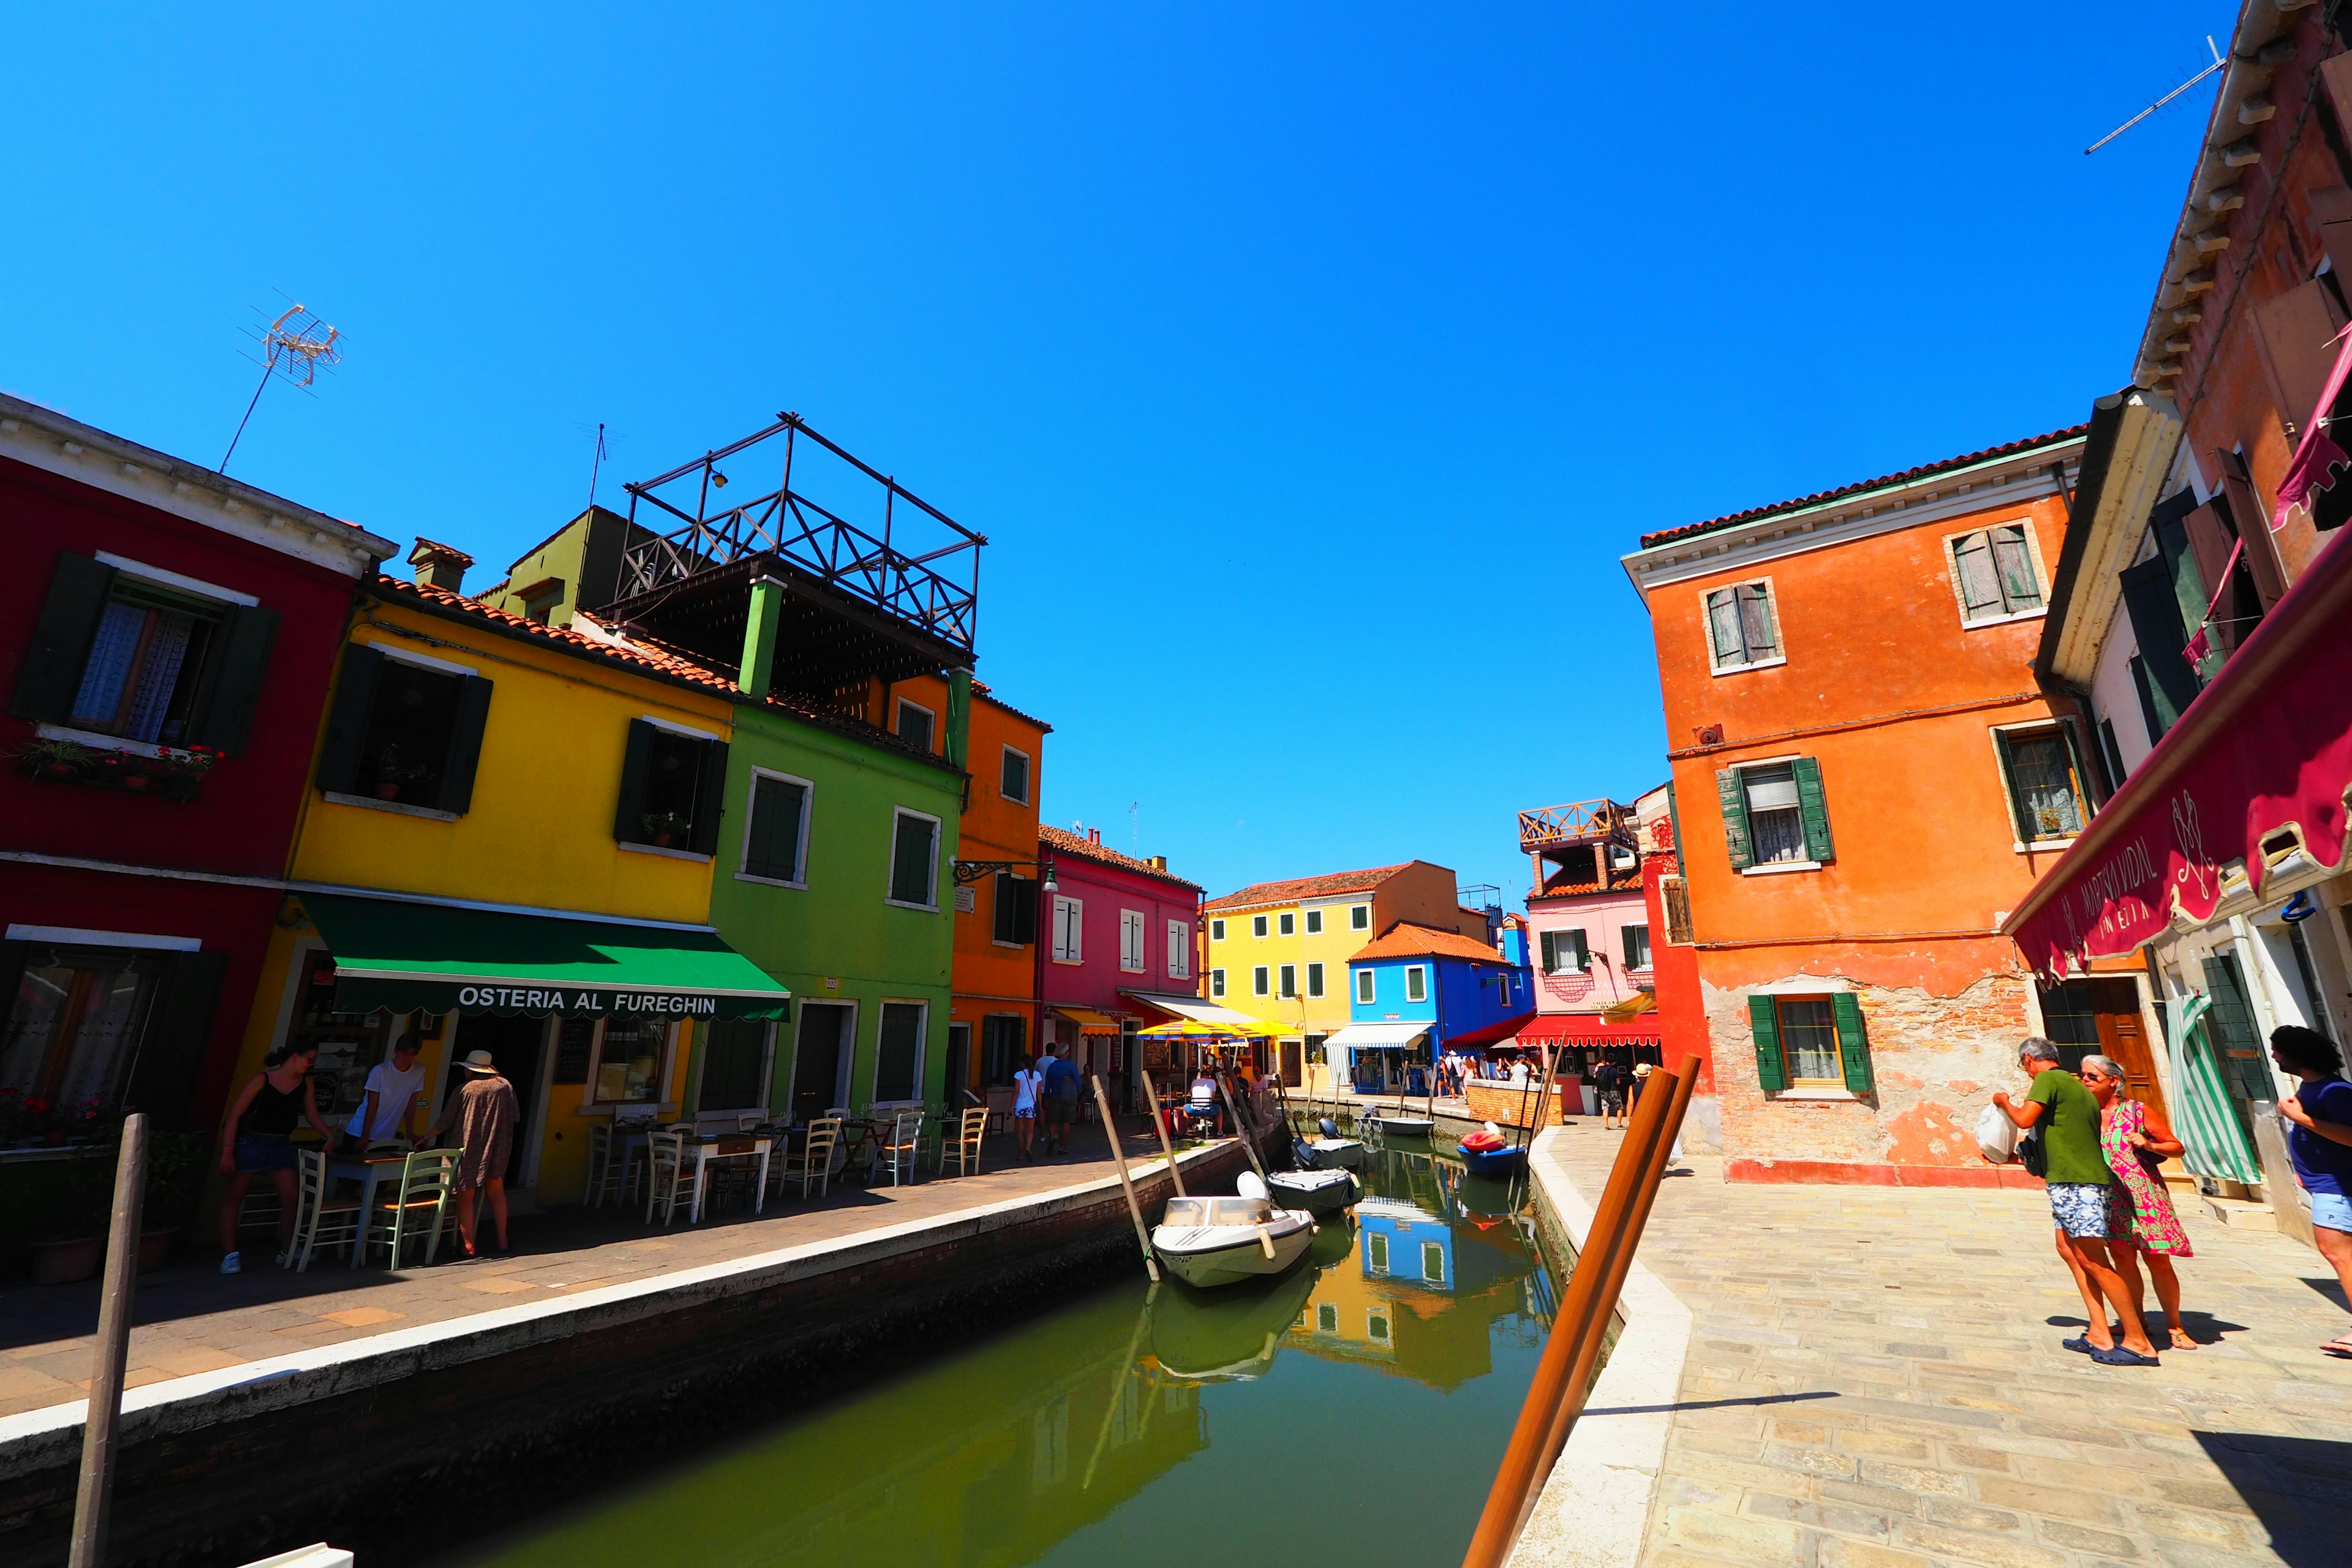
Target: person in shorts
2319, 1143
2077, 1178
256, 1140
1061, 1098
1028, 1084
1608, 1091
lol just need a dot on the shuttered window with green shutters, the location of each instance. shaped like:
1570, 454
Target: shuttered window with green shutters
1764, 1020
1733, 795
403, 734
1854, 1046
1811, 1041
1775, 814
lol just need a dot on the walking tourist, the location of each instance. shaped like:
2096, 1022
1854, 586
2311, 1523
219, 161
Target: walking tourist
1637, 1079
1609, 1090
2141, 1221
2319, 1143
396, 1089
1061, 1099
1028, 1084
2076, 1174
485, 1113
256, 1140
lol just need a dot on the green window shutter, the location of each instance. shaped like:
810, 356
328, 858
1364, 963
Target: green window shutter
629, 808
1815, 808
1551, 954
347, 720
179, 1027
465, 753
1853, 1046
2084, 784
2156, 626
1766, 1025
1674, 816
2017, 823
50, 676
1583, 954
231, 688
710, 799
1736, 837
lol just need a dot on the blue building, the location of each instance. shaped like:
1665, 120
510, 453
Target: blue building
1412, 992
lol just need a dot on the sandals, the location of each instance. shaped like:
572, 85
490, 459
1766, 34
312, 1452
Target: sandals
2339, 1348
2079, 1343
2115, 1355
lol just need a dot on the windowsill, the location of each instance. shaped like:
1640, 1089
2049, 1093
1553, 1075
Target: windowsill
1008, 946
396, 807
657, 849
1133, 969
919, 909
1776, 660
98, 741
2032, 615
1780, 866
1825, 1095
772, 881
2043, 846
1072, 962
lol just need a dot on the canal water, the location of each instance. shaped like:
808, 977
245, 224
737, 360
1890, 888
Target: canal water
1354, 1410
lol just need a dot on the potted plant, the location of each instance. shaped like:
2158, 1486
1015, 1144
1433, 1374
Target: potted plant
70, 1234
184, 771
53, 759
393, 775
176, 1185
664, 829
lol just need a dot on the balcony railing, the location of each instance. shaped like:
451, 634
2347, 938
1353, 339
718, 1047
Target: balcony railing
1595, 822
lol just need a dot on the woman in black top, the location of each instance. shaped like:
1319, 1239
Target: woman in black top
255, 1142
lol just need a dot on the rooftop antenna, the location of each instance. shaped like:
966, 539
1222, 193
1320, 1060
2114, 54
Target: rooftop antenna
2217, 63
597, 463
297, 344
1134, 837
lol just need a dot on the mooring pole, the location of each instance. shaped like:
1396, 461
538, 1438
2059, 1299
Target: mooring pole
1249, 1136
1160, 1124
1135, 1209
113, 1350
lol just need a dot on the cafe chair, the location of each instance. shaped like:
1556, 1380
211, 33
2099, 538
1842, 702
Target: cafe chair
900, 1153
611, 1173
418, 1210
815, 1160
963, 1144
319, 1219
669, 1174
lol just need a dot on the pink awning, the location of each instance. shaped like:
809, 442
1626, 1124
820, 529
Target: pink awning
2266, 748
2317, 453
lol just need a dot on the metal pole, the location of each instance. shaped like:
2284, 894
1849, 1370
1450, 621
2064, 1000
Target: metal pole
1160, 1122
113, 1350
1249, 1142
1135, 1209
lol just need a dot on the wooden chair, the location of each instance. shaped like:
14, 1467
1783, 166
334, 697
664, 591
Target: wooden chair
426, 1178
319, 1219
606, 1166
814, 1163
669, 1174
965, 1142
901, 1151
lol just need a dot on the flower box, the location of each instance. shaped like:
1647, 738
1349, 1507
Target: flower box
172, 775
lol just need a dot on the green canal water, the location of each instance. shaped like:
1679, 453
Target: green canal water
1355, 1409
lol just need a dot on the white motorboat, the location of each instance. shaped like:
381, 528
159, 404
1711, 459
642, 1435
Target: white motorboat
1329, 1152
1321, 1192
1402, 1125
1208, 1242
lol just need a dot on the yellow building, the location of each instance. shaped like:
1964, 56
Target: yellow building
507, 847
1279, 951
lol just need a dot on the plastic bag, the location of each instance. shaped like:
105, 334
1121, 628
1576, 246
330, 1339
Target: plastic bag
1997, 1135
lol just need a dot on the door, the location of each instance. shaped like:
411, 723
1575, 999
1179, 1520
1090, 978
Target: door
959, 1063
514, 1045
2124, 1036
1293, 1067
731, 1059
820, 1058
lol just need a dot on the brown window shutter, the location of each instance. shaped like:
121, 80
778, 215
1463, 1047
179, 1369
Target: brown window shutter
2298, 329
2209, 543
2252, 522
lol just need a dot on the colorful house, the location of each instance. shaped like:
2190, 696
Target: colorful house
1121, 941
169, 637
1589, 937
1414, 993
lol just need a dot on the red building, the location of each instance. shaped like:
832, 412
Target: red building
1121, 953
166, 637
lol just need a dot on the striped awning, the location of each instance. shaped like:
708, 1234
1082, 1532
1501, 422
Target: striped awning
2213, 1142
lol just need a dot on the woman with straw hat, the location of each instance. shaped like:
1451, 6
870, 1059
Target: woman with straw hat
484, 1112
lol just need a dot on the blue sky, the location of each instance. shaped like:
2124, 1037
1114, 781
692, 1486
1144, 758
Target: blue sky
1307, 367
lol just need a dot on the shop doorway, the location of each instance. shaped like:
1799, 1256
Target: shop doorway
514, 1044
821, 1059
2082, 1017
1292, 1064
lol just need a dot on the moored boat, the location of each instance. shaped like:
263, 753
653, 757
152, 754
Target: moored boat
1319, 1191
1207, 1242
1404, 1126
1330, 1151
1487, 1152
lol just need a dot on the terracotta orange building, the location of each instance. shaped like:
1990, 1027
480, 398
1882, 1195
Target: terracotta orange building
1867, 780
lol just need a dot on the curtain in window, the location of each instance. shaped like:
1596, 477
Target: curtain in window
109, 669
158, 675
1774, 821
2045, 785
74, 1027
1809, 1039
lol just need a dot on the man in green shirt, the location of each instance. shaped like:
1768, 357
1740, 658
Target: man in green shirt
2077, 1177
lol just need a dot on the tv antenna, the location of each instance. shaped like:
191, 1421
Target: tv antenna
2217, 63
297, 344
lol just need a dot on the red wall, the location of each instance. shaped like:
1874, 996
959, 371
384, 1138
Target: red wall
1673, 974
1098, 981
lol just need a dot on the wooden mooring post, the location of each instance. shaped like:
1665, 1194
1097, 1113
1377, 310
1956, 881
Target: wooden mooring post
1160, 1124
1127, 1185
113, 1351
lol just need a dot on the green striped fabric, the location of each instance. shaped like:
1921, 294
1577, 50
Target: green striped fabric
2213, 1143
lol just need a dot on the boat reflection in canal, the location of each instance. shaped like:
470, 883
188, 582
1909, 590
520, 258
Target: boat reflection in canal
1139, 1425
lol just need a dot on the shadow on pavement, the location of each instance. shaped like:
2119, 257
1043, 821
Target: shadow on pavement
2300, 1488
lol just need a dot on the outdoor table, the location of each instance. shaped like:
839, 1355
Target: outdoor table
730, 1146
368, 1171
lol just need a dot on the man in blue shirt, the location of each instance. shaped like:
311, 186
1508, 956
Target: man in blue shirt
1061, 1099
2319, 1142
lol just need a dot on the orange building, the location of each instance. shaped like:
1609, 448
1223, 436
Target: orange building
1868, 781
993, 1010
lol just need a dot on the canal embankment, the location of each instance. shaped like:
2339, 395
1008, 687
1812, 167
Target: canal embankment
344, 1440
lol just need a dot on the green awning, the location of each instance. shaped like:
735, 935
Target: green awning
393, 955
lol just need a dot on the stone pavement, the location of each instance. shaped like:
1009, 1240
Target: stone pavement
192, 1318
1874, 1380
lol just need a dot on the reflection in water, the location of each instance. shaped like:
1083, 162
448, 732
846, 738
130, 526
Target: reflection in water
1147, 1426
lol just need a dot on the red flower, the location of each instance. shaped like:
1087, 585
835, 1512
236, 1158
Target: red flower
37, 1107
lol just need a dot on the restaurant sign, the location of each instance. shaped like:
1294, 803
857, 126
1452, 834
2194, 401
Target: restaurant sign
371, 993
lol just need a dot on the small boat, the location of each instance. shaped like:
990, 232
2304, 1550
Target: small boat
1404, 1126
1208, 1242
1487, 1153
1320, 1193
1328, 1152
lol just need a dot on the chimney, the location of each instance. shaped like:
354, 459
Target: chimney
1094, 836
1160, 862
439, 565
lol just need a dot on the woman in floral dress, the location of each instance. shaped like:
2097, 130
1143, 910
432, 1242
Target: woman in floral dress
2141, 1221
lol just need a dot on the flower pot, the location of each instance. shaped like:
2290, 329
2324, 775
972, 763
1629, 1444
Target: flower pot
154, 1246
387, 792
63, 1262
136, 780
60, 769
661, 840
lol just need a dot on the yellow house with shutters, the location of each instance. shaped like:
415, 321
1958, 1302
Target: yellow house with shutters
508, 846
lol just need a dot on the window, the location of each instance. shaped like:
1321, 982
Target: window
1131, 940
1432, 1262
1992, 572
915, 724
914, 860
1180, 949
1637, 947
1809, 1043
775, 841
1376, 1324
1289, 979
1216, 983
1004, 1037
1313, 922
1775, 814
734, 1062
2045, 777
1315, 980
1016, 910
1257, 925
899, 1051
1359, 917
1326, 1317
1258, 980
1013, 777
632, 1061
1564, 951
1416, 983
1216, 931
671, 782
1366, 983
144, 654
1673, 893
1069, 930
1742, 629
1289, 922
78, 1018
1376, 1251
405, 731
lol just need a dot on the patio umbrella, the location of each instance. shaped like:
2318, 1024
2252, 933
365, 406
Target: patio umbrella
2213, 1141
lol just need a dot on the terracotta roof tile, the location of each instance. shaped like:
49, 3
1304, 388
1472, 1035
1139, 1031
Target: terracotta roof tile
1297, 888
982, 689
1405, 939
1061, 841
2011, 448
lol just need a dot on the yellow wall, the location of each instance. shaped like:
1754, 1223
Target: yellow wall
1239, 953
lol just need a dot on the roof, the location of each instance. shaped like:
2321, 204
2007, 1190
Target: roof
1966, 460
1297, 888
1061, 841
981, 689
1405, 939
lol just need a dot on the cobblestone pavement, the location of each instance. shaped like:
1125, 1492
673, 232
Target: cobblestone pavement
192, 1318
1876, 1381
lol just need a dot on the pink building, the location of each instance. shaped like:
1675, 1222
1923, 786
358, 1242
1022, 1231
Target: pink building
1122, 933
1589, 934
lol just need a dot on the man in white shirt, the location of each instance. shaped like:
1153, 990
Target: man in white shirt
395, 1090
